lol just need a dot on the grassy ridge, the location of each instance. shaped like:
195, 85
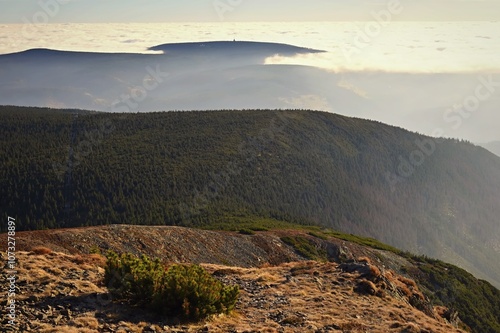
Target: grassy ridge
205, 168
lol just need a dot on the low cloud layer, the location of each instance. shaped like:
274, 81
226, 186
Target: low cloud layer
416, 47
426, 77
452, 105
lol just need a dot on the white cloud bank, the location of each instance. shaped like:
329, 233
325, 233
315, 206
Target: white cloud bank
396, 47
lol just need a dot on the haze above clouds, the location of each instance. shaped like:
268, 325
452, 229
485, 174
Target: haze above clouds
105, 11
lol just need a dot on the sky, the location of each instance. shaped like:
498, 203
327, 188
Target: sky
115, 11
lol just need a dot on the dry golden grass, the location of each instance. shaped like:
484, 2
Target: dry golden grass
265, 265
89, 322
366, 287
405, 290
89, 259
374, 271
405, 286
292, 297
46, 328
41, 250
267, 278
409, 282
440, 310
365, 260
306, 267
222, 270
411, 328
315, 295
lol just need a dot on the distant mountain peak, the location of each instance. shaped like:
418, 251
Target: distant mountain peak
233, 46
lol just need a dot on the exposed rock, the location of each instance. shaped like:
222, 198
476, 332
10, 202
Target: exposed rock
351, 267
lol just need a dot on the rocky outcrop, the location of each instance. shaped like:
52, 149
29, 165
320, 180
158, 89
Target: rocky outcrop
177, 244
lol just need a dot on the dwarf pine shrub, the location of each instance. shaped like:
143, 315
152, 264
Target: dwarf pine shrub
186, 291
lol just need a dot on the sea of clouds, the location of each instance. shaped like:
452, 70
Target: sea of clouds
437, 78
413, 47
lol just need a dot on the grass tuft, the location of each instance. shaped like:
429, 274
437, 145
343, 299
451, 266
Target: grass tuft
41, 250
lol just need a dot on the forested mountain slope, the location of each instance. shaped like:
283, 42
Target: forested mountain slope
75, 168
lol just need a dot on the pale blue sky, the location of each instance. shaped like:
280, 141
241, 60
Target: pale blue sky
59, 11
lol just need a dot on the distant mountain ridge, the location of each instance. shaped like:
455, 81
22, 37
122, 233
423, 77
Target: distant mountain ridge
96, 81
208, 168
264, 48
215, 75
494, 147
226, 48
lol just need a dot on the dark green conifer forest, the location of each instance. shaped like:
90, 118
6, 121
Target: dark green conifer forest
70, 168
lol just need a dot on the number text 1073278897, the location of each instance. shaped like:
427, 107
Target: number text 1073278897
11, 270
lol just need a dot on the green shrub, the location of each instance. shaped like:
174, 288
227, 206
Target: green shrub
258, 228
318, 235
94, 249
247, 232
305, 247
185, 291
477, 301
